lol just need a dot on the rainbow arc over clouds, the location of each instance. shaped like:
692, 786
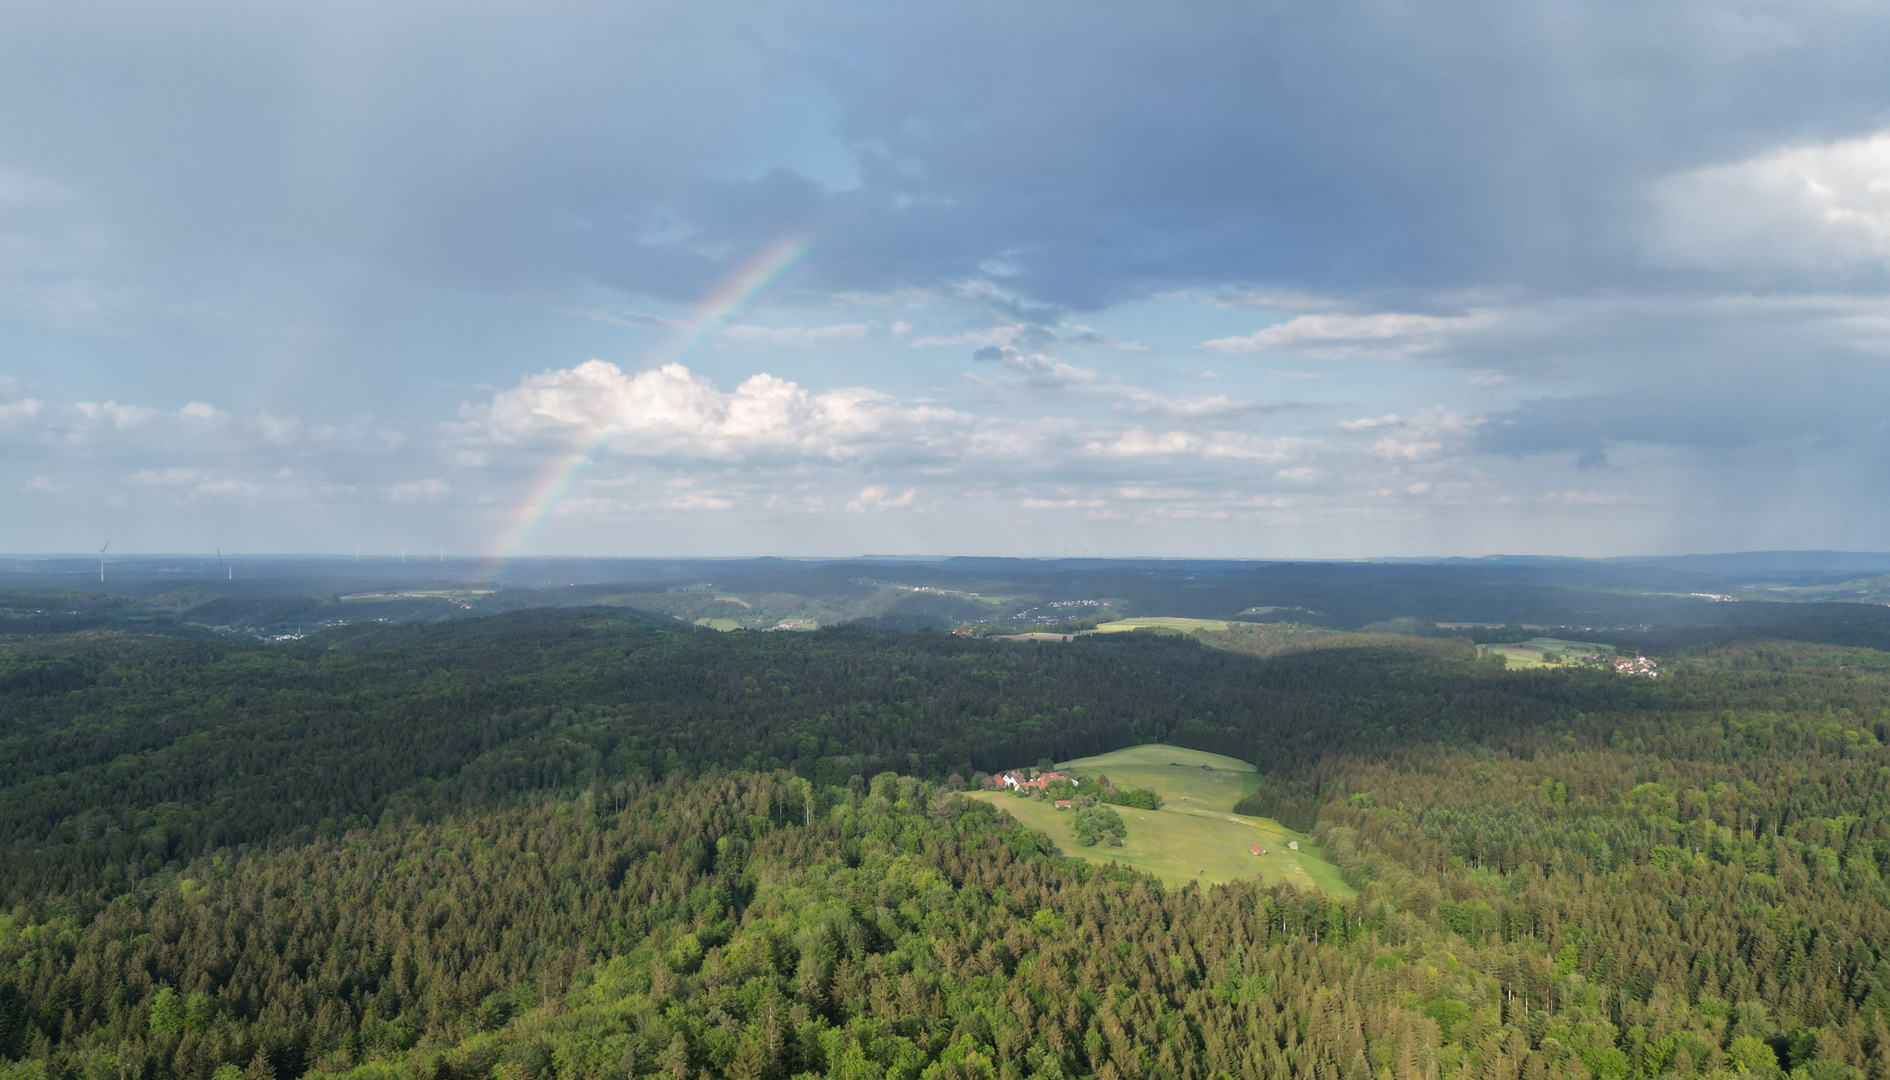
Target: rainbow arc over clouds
726, 303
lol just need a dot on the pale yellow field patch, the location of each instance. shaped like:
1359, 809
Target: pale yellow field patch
1186, 626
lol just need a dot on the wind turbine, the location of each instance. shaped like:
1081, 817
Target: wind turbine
101, 562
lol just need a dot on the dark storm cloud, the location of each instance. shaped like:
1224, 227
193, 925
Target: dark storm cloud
482, 144
1788, 375
1333, 146
1091, 151
1702, 417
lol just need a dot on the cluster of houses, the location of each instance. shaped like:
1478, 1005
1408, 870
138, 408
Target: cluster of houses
1635, 665
1017, 781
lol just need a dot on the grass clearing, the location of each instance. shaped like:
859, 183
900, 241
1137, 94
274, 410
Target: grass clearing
1195, 836
1516, 655
1177, 775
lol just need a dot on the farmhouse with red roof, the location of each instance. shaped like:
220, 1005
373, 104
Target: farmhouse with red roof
1016, 781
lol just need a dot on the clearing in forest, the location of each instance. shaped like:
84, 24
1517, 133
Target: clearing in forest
1195, 836
1543, 652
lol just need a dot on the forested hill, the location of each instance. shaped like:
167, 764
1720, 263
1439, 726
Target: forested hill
120, 754
577, 844
757, 927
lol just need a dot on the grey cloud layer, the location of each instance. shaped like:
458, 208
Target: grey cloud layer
1082, 153
1562, 235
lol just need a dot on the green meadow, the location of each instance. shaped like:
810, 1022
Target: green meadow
1195, 836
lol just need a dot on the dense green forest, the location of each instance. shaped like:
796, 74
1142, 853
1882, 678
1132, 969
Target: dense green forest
121, 753
574, 844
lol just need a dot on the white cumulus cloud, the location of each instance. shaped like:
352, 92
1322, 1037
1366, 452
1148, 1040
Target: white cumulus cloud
1432, 433
880, 497
673, 411
1388, 333
1824, 206
24, 409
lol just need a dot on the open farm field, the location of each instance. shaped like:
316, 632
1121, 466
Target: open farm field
1186, 626
1516, 655
1533, 653
1158, 756
1572, 648
1034, 636
1176, 774
1179, 848
1194, 836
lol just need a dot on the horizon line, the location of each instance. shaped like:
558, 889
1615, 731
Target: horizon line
437, 557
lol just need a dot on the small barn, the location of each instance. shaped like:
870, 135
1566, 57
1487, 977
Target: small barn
1257, 850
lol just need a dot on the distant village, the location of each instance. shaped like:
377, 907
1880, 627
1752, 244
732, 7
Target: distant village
1635, 665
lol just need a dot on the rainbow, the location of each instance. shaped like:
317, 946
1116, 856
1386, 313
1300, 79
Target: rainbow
731, 297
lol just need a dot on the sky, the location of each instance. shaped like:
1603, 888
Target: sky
1268, 279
